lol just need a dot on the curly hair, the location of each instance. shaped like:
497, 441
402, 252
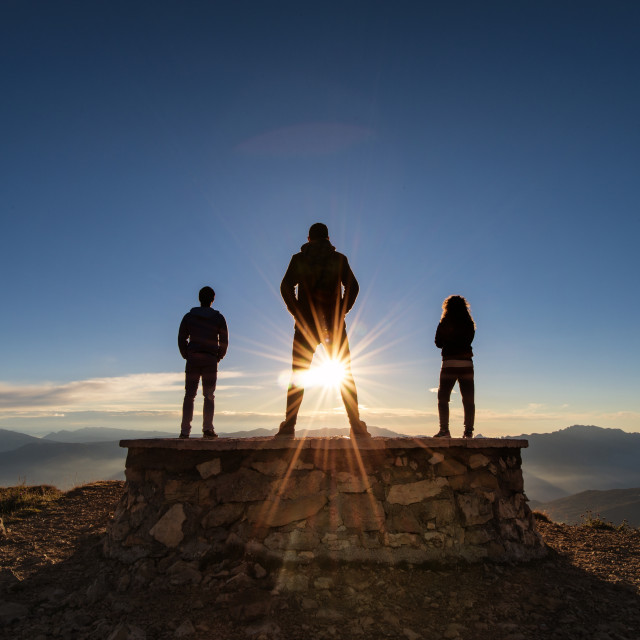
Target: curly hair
456, 309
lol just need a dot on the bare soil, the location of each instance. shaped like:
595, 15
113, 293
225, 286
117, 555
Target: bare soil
56, 583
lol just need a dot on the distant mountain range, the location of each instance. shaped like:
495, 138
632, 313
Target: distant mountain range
579, 458
613, 506
555, 465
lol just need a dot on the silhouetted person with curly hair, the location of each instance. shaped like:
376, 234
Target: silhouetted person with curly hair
319, 289
454, 336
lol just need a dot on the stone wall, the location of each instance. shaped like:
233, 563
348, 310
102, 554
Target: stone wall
384, 500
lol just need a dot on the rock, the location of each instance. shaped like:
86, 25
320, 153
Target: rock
182, 572
323, 582
361, 511
185, 630
282, 512
259, 571
3, 530
411, 635
97, 590
478, 460
222, 515
413, 492
209, 468
12, 612
168, 530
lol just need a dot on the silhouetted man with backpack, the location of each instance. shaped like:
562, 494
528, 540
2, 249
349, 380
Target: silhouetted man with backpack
326, 291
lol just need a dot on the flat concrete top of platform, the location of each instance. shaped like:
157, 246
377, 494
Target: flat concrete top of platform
334, 442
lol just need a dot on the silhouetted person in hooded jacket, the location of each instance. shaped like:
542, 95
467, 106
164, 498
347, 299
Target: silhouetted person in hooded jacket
203, 339
326, 291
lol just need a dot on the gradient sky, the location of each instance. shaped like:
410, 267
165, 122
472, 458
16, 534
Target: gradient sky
488, 149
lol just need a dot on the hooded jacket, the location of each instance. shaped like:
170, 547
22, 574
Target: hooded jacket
203, 330
327, 288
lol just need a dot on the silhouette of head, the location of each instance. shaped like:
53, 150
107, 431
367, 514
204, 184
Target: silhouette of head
206, 296
318, 231
456, 308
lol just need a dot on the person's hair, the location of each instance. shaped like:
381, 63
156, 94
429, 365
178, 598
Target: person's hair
206, 295
318, 231
456, 309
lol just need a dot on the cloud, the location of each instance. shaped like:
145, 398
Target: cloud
130, 392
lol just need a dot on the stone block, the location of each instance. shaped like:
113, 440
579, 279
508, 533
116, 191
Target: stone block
404, 521
416, 491
361, 511
475, 509
243, 485
442, 511
507, 510
450, 467
277, 513
302, 484
168, 530
209, 468
298, 540
478, 460
178, 490
350, 483
222, 515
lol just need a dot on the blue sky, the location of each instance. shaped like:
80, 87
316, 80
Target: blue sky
485, 149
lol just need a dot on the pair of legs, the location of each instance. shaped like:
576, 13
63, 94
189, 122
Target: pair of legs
205, 367
304, 346
448, 378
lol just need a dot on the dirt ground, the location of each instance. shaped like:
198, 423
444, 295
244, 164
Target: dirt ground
56, 583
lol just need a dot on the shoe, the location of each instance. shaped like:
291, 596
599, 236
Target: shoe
359, 430
184, 436
209, 434
286, 430
468, 432
443, 433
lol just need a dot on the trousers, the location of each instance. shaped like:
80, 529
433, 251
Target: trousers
337, 345
448, 378
205, 367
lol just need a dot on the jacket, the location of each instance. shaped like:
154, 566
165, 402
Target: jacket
455, 338
327, 288
203, 330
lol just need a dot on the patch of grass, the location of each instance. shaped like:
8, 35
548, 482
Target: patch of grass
22, 501
596, 522
541, 516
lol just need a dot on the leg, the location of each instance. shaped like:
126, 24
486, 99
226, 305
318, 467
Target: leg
209, 379
447, 381
192, 378
467, 391
302, 354
340, 351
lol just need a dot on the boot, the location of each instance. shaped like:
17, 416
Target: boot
468, 432
286, 430
443, 433
359, 430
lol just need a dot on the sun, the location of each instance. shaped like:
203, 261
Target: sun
328, 374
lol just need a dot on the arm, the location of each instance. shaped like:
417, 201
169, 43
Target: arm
183, 338
351, 287
223, 338
438, 339
288, 288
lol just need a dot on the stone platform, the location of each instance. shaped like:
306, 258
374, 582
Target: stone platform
381, 500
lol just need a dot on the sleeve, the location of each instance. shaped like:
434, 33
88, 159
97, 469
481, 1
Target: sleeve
223, 338
288, 288
351, 286
438, 338
183, 335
